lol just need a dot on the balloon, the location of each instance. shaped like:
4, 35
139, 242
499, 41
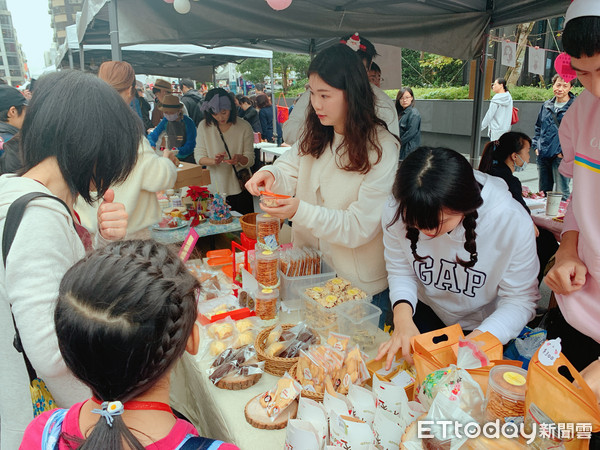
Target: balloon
278, 5
182, 6
562, 64
169, 1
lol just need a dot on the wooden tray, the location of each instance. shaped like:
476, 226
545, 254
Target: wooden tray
256, 415
234, 383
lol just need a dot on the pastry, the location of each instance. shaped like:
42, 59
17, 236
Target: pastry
217, 347
244, 325
221, 330
337, 284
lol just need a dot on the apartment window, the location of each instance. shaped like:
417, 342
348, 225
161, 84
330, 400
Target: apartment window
10, 47
5, 20
7, 33
12, 60
16, 73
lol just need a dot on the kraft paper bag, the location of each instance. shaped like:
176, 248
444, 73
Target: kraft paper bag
433, 350
563, 401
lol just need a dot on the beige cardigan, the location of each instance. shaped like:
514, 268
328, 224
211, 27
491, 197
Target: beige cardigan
240, 140
340, 211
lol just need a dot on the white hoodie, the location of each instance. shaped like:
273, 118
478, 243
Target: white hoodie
498, 116
45, 247
498, 294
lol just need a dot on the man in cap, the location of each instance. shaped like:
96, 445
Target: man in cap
160, 89
192, 99
12, 112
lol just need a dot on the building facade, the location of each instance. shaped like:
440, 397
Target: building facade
12, 61
63, 13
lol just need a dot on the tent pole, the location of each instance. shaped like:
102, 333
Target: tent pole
275, 136
70, 59
480, 64
81, 58
114, 31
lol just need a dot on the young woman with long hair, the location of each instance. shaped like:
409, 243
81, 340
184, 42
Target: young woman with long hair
124, 316
458, 249
340, 173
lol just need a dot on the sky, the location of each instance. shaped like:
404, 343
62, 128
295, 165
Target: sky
32, 22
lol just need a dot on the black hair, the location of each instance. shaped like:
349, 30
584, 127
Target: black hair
557, 76
400, 94
4, 114
83, 122
429, 181
155, 90
245, 99
509, 143
187, 83
368, 53
360, 146
210, 120
259, 86
375, 68
502, 81
123, 318
581, 36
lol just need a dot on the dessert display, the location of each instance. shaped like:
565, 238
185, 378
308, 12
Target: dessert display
236, 369
219, 211
300, 262
173, 218
272, 409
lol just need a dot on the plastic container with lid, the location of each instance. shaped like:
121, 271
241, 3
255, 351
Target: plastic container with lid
266, 267
267, 225
505, 398
360, 321
293, 287
269, 199
266, 303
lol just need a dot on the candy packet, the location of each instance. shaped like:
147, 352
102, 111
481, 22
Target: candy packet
281, 396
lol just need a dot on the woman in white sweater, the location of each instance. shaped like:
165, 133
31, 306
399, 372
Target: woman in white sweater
226, 146
67, 147
499, 115
340, 173
152, 173
458, 249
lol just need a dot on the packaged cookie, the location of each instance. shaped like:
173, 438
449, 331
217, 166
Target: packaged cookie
267, 262
506, 393
267, 230
222, 329
281, 396
266, 303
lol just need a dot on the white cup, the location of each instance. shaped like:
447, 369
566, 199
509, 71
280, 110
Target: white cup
552, 203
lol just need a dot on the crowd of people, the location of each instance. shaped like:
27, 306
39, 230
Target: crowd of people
101, 313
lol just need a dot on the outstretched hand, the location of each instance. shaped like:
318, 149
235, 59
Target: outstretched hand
112, 218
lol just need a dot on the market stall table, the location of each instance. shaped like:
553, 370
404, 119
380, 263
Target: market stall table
174, 236
539, 217
219, 413
272, 150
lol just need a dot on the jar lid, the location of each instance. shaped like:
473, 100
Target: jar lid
508, 381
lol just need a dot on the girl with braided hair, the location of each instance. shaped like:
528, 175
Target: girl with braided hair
458, 249
124, 316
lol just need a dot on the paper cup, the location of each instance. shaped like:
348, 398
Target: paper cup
552, 203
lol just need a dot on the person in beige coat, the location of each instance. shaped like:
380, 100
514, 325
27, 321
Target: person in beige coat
340, 174
226, 146
152, 173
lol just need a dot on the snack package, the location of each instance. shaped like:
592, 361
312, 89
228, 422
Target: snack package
392, 398
525, 345
249, 323
219, 305
276, 348
281, 396
444, 409
455, 384
363, 403
302, 435
314, 413
338, 403
222, 329
234, 364
354, 371
338, 341
350, 432
387, 430
274, 335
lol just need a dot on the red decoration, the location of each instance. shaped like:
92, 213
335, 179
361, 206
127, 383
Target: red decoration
279, 5
197, 193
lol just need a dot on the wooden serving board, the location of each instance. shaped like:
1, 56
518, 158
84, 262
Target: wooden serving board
235, 383
257, 416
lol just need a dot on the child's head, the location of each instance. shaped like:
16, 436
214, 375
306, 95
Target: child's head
512, 146
581, 41
124, 316
341, 101
434, 189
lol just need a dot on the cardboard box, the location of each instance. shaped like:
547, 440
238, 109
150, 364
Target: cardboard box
191, 175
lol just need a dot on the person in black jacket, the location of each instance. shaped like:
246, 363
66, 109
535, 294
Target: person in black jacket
409, 122
10, 160
192, 99
144, 105
249, 114
501, 159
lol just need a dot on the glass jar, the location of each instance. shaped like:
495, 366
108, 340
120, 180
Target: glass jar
266, 303
267, 263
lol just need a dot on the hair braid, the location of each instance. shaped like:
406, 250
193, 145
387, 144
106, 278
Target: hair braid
412, 234
469, 223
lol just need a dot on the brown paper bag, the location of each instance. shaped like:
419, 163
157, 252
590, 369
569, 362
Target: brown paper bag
433, 350
561, 400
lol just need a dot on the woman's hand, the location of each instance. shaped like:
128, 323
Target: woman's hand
591, 375
219, 158
404, 330
171, 156
112, 218
286, 210
569, 271
262, 180
536, 230
237, 159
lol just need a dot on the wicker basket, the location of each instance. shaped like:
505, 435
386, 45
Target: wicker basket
248, 223
306, 394
275, 365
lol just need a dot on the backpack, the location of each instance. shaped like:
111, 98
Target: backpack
53, 430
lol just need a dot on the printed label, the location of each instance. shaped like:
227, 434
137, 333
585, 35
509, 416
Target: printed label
549, 352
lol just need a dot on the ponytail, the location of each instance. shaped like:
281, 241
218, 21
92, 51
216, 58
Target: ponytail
500, 150
487, 158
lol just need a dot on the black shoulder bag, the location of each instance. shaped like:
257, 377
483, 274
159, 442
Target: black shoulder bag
242, 175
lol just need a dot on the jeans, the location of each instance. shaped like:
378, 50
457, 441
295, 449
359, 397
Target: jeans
549, 174
382, 301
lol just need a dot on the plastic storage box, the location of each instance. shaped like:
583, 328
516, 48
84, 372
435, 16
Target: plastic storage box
360, 321
292, 288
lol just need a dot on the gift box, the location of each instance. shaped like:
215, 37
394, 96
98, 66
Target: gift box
191, 175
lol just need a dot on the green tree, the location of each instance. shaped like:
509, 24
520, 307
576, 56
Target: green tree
256, 70
428, 70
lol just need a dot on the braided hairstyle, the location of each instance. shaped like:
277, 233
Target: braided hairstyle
123, 318
429, 181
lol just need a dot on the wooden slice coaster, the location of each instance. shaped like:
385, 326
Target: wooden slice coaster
237, 383
257, 416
